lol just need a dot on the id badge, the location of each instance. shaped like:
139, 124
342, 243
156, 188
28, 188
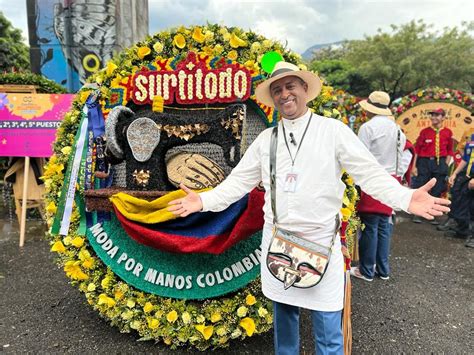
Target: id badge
290, 182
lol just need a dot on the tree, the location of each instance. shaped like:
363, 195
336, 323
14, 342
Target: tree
339, 74
409, 58
14, 53
44, 85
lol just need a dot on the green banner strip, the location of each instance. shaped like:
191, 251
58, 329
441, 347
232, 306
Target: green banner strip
183, 276
55, 229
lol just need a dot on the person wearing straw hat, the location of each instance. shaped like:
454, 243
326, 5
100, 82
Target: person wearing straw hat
385, 140
311, 154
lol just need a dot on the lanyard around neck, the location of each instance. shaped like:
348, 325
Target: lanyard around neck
301, 142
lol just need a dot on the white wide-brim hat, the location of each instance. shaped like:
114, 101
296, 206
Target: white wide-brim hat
377, 103
282, 70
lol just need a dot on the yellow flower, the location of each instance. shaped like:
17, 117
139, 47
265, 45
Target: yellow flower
172, 316
130, 303
302, 67
236, 42
206, 331
116, 81
262, 312
250, 64
198, 36
118, 294
232, 55
73, 270
255, 47
266, 43
242, 311
420, 93
349, 180
51, 208
148, 307
218, 49
168, 340
209, 36
249, 325
104, 299
250, 300
105, 282
326, 113
200, 318
66, 150
77, 242
223, 31
346, 213
111, 66
88, 263
84, 95
84, 254
207, 50
179, 41
142, 52
216, 317
158, 47
58, 247
153, 323
91, 287
53, 169
186, 317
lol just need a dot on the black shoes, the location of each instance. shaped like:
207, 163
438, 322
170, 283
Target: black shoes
469, 242
450, 223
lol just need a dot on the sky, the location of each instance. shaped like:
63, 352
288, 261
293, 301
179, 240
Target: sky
299, 23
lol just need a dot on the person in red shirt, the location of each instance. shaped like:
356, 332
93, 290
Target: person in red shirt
434, 150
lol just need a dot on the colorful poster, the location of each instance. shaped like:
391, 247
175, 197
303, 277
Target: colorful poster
28, 123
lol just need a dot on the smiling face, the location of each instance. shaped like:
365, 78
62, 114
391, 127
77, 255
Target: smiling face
436, 120
289, 95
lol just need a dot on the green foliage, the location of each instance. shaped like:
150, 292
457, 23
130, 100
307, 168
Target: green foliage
46, 86
340, 74
14, 53
410, 57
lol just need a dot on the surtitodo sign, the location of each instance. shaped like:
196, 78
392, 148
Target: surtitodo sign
412, 121
193, 82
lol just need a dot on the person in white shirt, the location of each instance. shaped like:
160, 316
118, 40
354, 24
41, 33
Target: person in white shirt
385, 140
314, 152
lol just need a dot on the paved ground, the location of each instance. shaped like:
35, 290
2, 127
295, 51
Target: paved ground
425, 307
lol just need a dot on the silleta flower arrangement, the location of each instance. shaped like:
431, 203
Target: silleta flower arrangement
435, 94
155, 71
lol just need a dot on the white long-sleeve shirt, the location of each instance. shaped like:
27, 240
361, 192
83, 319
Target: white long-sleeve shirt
379, 135
328, 147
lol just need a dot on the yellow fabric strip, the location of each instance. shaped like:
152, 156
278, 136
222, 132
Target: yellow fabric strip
469, 165
143, 211
437, 146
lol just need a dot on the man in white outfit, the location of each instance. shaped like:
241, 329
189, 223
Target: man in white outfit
385, 140
314, 152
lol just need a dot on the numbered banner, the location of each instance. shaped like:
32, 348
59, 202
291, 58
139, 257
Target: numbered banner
28, 123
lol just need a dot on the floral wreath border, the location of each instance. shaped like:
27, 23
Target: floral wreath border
212, 322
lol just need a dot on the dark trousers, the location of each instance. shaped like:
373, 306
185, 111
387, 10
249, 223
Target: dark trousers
429, 168
462, 204
374, 245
